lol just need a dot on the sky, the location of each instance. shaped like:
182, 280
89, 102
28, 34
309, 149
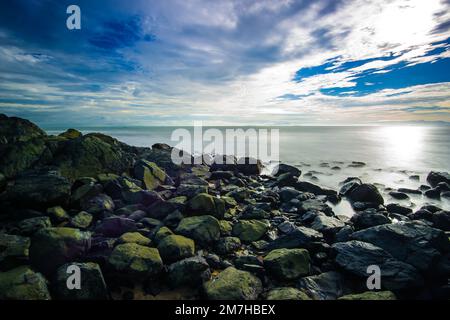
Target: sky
237, 62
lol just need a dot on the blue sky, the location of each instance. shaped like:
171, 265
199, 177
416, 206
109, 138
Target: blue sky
261, 62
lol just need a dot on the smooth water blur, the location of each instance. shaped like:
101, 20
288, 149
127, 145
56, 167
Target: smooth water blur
391, 153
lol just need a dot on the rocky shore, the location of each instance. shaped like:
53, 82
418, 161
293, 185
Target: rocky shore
140, 227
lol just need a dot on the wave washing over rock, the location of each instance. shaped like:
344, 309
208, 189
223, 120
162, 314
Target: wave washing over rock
138, 226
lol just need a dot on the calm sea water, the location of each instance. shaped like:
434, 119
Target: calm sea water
391, 153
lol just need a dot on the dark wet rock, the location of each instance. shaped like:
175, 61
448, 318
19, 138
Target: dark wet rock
3, 182
115, 226
398, 195
204, 229
443, 186
161, 233
287, 264
445, 194
216, 175
233, 284
52, 247
286, 293
286, 180
314, 205
176, 247
355, 256
396, 208
368, 218
92, 286
421, 214
344, 234
433, 193
370, 295
326, 224
325, 286
71, 134
414, 177
28, 227
285, 168
441, 220
228, 245
288, 193
249, 166
150, 174
252, 212
431, 207
414, 243
188, 272
98, 204
301, 237
134, 260
410, 191
161, 146
366, 193
356, 164
22, 283
434, 178
13, 129
315, 189
286, 227
250, 230
14, 250
190, 190
38, 190
204, 203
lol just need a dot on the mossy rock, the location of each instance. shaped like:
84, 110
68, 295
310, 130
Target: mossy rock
98, 204
287, 293
3, 182
82, 220
176, 247
203, 229
134, 237
188, 272
225, 227
71, 134
134, 260
14, 250
22, 283
287, 264
14, 129
233, 284
58, 214
370, 295
92, 283
228, 245
29, 226
162, 233
204, 203
149, 173
250, 230
52, 247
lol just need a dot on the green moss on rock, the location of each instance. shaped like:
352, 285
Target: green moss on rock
250, 230
203, 229
287, 293
370, 295
22, 283
176, 247
204, 203
134, 237
287, 264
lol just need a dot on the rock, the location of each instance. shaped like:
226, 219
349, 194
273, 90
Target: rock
22, 283
82, 220
217, 175
249, 166
349, 185
98, 204
250, 230
204, 203
422, 214
228, 245
71, 134
134, 260
115, 226
356, 164
288, 193
325, 286
286, 180
432, 193
398, 195
411, 242
285, 168
396, 208
39, 190
355, 256
204, 229
191, 191
368, 218
150, 174
434, 178
431, 208
233, 284
445, 194
314, 205
28, 227
315, 189
325, 224
366, 193
93, 286
344, 234
441, 220
14, 250
13, 129
3, 182
162, 233
188, 272
301, 237
370, 295
134, 237
286, 227
411, 191
176, 247
225, 227
287, 264
58, 214
52, 247
286, 293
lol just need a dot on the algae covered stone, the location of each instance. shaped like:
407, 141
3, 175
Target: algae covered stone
22, 283
370, 295
204, 203
287, 264
250, 230
134, 237
52, 247
175, 247
14, 250
203, 229
150, 174
188, 272
81, 220
233, 284
287, 293
134, 260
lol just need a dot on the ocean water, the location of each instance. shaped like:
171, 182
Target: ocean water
391, 153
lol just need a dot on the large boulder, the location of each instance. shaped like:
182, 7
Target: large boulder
134, 260
285, 168
325, 286
52, 247
356, 256
250, 230
286, 293
434, 178
300, 237
13, 130
204, 229
366, 193
22, 283
176, 247
14, 250
150, 174
204, 203
368, 218
92, 284
188, 272
115, 226
233, 284
414, 243
39, 190
287, 264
